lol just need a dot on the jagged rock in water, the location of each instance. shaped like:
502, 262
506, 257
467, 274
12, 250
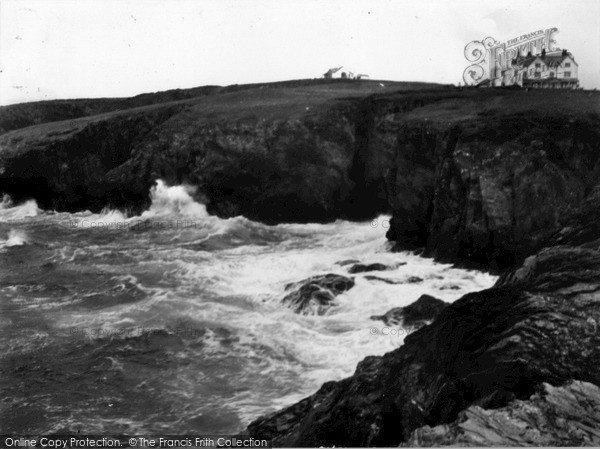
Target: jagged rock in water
414, 280
343, 263
362, 268
556, 416
380, 279
315, 295
417, 314
426, 308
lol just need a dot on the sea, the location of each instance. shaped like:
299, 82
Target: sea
172, 321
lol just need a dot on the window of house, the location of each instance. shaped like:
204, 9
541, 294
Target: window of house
567, 64
537, 74
551, 74
537, 65
567, 74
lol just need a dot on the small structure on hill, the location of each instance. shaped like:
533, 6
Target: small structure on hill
329, 74
344, 75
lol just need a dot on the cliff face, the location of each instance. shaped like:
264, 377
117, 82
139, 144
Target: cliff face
274, 170
491, 188
470, 175
275, 153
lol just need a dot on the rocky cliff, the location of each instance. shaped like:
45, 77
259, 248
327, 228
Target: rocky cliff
274, 152
490, 349
491, 185
556, 416
467, 173
507, 182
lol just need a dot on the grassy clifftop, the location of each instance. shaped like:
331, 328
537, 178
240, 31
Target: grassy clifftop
283, 93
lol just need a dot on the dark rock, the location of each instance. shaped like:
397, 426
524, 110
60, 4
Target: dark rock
415, 315
316, 294
380, 279
556, 416
343, 263
362, 268
392, 317
539, 323
414, 280
426, 308
450, 287
489, 190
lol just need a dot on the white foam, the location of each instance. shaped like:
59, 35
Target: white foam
112, 216
168, 204
175, 200
11, 212
16, 237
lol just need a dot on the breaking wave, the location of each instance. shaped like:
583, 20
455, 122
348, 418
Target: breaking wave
11, 212
174, 201
16, 237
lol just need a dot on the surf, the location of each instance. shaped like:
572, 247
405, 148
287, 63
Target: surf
188, 322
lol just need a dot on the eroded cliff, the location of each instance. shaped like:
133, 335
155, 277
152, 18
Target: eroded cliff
490, 187
274, 152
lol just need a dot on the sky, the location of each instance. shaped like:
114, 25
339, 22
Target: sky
51, 49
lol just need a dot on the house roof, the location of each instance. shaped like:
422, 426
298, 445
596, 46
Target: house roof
525, 61
550, 59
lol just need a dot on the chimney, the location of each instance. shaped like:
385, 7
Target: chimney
565, 53
543, 53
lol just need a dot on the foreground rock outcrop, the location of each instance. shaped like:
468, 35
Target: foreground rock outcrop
417, 314
363, 268
316, 295
556, 416
538, 324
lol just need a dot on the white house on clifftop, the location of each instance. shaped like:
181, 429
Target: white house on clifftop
554, 70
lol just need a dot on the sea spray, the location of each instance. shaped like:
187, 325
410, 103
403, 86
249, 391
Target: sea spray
175, 200
11, 212
16, 237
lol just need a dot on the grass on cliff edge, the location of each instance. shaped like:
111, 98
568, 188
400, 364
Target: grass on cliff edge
472, 104
281, 98
290, 100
